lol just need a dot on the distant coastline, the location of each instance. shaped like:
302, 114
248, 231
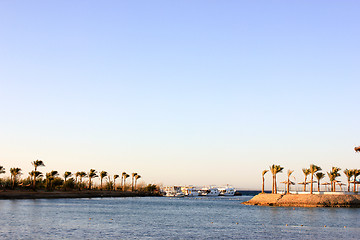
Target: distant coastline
305, 200
21, 194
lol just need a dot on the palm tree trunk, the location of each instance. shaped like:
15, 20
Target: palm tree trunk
348, 186
354, 186
135, 183
101, 184
288, 187
263, 184
34, 182
275, 184
318, 185
311, 182
121, 182
65, 183
132, 184
305, 184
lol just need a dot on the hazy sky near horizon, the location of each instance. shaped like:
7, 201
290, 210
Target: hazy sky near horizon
182, 92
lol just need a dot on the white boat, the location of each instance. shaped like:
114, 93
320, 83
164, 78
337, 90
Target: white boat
178, 195
227, 191
174, 191
190, 191
209, 192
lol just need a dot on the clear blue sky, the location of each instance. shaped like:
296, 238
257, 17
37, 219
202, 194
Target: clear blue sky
182, 92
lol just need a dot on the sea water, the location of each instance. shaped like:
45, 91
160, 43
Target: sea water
171, 218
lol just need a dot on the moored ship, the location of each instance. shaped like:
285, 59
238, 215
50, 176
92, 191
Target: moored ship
190, 191
227, 191
209, 192
173, 191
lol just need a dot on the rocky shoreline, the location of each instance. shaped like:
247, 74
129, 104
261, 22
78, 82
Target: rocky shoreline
305, 200
15, 194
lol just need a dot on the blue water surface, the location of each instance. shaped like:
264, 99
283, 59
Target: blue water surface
171, 218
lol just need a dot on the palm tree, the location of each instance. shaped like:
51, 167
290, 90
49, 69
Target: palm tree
122, 180
125, 177
356, 173
333, 174
275, 169
306, 172
349, 174
66, 175
92, 174
35, 175
132, 181
313, 169
332, 179
335, 170
77, 175
263, 180
319, 176
289, 172
2, 169
48, 180
50, 177
115, 177
102, 175
14, 173
136, 178
36, 164
81, 176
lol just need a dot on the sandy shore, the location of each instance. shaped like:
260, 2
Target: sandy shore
16, 194
305, 200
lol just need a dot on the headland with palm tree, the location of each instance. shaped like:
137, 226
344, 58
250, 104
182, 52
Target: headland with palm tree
53, 184
333, 194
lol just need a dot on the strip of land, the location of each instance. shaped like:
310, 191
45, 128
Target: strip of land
305, 200
16, 194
